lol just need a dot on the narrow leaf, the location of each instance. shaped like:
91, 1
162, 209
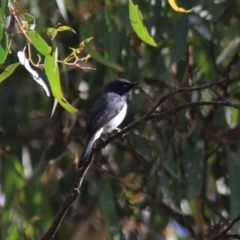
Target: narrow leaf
193, 166
137, 24
62, 8
180, 39
8, 71
51, 70
234, 179
229, 49
176, 8
4, 41
108, 208
200, 26
37, 41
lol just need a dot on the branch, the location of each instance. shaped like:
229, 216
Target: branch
72, 196
231, 224
224, 233
172, 111
75, 191
164, 97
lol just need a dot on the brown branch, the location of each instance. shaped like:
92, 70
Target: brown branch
147, 117
231, 224
75, 191
72, 196
224, 233
164, 97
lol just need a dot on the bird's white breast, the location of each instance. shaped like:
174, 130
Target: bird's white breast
113, 124
116, 121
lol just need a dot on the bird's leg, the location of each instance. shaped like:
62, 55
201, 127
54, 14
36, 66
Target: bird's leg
117, 129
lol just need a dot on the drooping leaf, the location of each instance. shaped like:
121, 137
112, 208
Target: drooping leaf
176, 8
180, 39
51, 70
234, 179
38, 42
4, 40
62, 9
8, 71
108, 208
228, 50
138, 26
193, 166
200, 26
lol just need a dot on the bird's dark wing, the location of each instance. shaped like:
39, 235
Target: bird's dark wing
104, 110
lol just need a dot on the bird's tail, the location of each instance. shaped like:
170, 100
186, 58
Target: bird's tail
86, 150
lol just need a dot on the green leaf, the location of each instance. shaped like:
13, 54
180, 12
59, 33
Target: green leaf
200, 26
51, 70
142, 146
37, 41
108, 208
230, 49
8, 71
97, 57
180, 39
193, 166
137, 24
4, 40
234, 180
3, 6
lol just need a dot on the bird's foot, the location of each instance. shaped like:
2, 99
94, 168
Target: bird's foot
117, 129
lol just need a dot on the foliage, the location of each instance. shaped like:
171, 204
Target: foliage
173, 171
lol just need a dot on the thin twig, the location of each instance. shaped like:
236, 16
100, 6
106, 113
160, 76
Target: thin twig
72, 196
230, 225
224, 234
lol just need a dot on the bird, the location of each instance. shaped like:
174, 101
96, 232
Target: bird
106, 114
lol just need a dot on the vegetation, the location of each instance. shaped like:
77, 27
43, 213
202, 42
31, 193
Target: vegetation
172, 172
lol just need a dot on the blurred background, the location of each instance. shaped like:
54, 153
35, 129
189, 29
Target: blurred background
170, 178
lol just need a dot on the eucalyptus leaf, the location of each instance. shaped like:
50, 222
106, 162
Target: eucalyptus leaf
38, 42
62, 7
233, 166
193, 166
8, 71
138, 26
52, 72
4, 40
180, 39
108, 208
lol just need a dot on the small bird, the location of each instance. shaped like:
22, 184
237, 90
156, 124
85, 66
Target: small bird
107, 113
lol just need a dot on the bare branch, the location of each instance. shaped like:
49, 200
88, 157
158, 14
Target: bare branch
72, 196
231, 224
224, 234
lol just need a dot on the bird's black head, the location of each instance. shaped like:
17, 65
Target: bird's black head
120, 86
